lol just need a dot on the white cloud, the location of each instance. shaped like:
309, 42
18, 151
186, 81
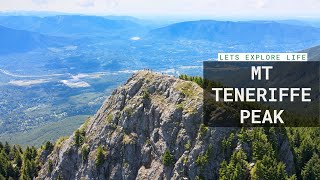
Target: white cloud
135, 38
86, 3
40, 1
261, 4
171, 7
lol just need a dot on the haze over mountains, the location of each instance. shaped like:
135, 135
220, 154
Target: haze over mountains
13, 40
239, 32
259, 32
67, 24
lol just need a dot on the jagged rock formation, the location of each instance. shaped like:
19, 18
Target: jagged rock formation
137, 124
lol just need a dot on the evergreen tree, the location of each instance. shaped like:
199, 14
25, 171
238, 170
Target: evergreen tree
100, 156
48, 146
7, 148
79, 137
85, 152
18, 160
236, 169
269, 169
167, 159
311, 171
77, 140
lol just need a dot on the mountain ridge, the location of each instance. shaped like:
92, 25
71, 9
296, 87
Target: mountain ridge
313, 53
149, 128
63, 25
13, 40
241, 32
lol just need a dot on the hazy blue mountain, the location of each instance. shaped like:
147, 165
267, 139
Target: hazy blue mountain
29, 23
294, 22
314, 23
68, 24
127, 18
12, 40
242, 32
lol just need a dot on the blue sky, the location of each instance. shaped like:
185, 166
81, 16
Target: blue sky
204, 8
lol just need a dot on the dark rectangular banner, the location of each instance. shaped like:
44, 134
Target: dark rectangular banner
259, 94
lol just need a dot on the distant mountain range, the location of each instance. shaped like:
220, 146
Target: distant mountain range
239, 32
289, 31
23, 33
12, 40
67, 24
313, 23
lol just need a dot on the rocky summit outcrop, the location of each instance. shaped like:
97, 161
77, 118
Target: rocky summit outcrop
149, 128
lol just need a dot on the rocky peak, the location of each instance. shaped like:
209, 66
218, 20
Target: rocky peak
149, 128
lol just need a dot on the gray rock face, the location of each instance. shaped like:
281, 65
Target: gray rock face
142, 119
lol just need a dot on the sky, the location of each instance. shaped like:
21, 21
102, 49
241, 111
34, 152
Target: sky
205, 8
